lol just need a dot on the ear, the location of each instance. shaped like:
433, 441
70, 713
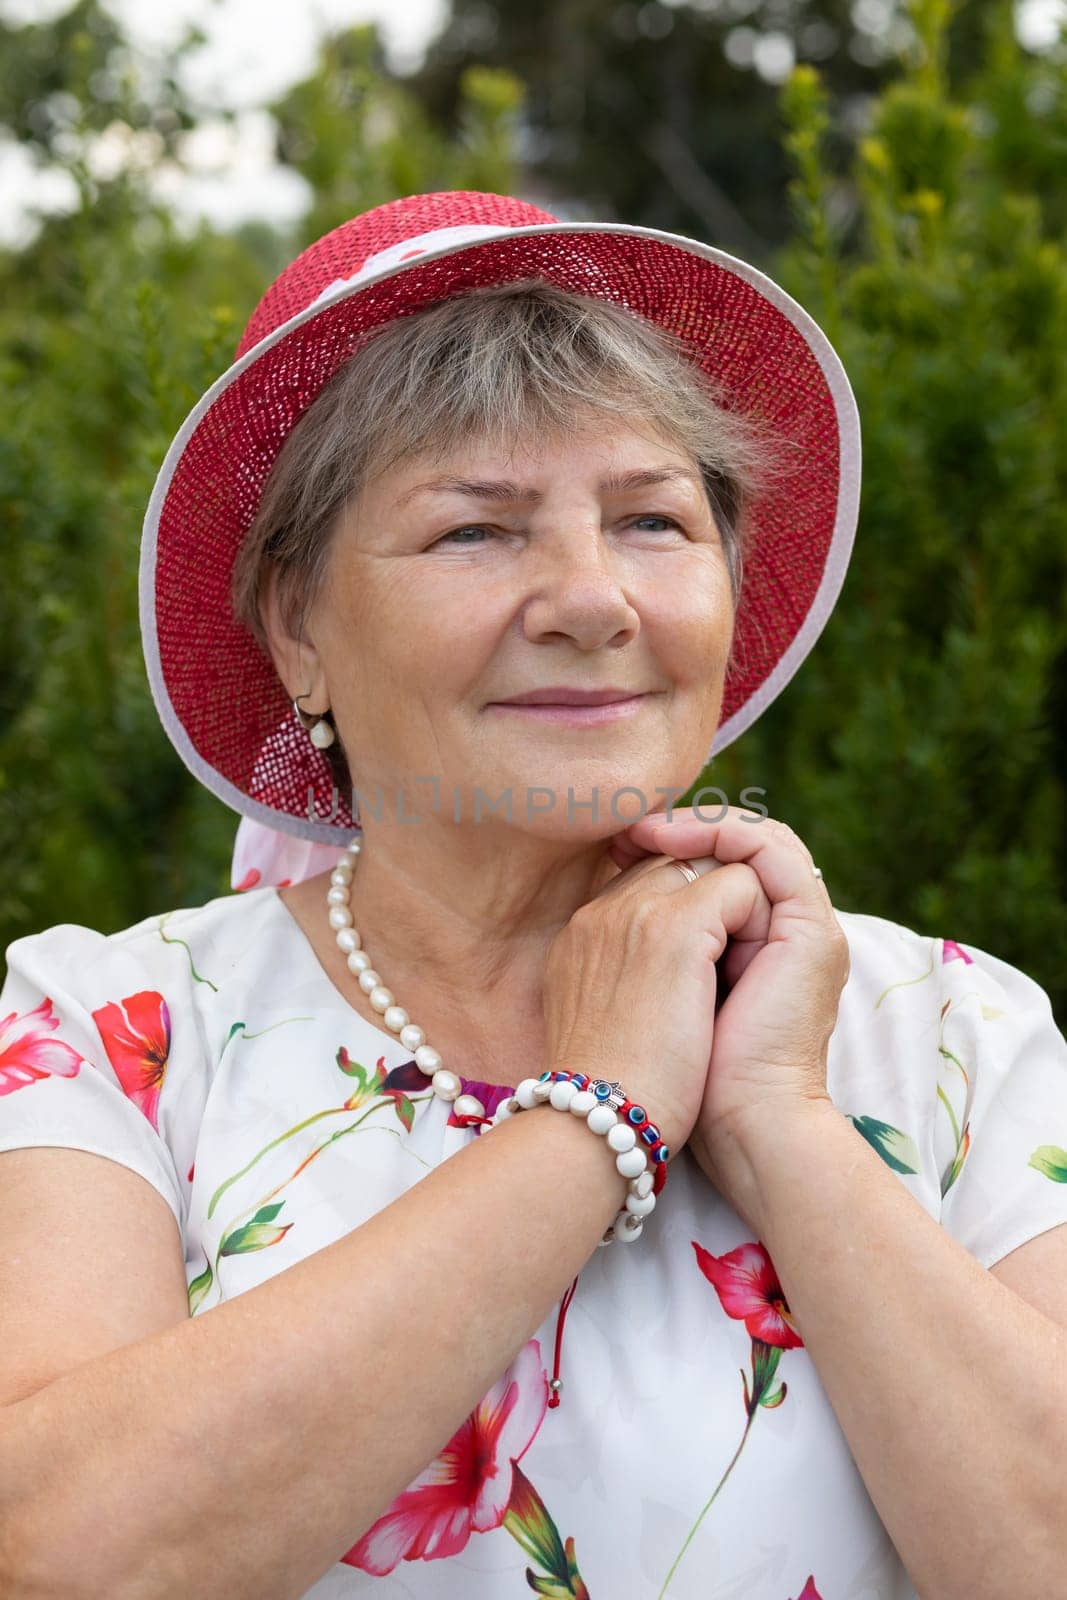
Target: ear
296, 660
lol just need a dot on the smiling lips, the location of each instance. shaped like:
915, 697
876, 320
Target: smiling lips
560, 695
574, 707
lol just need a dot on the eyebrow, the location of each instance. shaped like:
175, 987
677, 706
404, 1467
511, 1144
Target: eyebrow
505, 490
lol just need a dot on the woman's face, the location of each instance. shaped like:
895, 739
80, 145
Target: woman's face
588, 561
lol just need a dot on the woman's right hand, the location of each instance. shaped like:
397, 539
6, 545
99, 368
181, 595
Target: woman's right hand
630, 982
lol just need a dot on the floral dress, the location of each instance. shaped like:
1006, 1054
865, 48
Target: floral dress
694, 1453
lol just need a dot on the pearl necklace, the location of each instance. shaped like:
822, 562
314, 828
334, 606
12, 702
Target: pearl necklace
445, 1083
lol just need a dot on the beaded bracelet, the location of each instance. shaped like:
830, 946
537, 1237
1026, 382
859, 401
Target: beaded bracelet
607, 1111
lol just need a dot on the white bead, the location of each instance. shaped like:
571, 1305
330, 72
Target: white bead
337, 896
347, 940
562, 1094
640, 1207
622, 1137
368, 980
601, 1118
524, 1093
642, 1184
623, 1232
412, 1036
341, 875
321, 735
396, 1018
631, 1163
446, 1085
381, 998
503, 1111
340, 917
358, 961
583, 1103
427, 1059
468, 1105
544, 1089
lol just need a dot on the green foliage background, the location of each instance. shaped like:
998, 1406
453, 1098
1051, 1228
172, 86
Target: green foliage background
921, 750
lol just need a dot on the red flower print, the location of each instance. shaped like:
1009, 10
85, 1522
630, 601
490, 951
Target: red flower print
809, 1591
466, 1489
951, 951
748, 1287
136, 1035
27, 1054
249, 881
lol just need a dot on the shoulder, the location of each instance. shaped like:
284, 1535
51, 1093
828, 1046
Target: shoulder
162, 977
884, 954
921, 979
161, 942
893, 964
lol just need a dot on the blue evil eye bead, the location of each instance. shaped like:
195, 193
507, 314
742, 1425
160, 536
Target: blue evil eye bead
636, 1115
650, 1133
601, 1089
580, 1079
661, 1153
544, 1077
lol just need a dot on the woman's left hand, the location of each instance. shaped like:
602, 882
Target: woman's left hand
784, 969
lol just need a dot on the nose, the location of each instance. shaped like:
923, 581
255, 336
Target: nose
576, 593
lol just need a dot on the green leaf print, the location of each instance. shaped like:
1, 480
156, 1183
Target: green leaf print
255, 1235
954, 1168
352, 1068
897, 1149
530, 1525
199, 1288
173, 939
405, 1110
1050, 1160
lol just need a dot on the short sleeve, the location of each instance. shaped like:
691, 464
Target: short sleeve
85, 1041
1000, 1122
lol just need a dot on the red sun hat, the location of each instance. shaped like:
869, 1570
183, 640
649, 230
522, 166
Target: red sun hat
219, 697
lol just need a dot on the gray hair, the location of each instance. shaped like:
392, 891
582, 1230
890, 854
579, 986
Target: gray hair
494, 363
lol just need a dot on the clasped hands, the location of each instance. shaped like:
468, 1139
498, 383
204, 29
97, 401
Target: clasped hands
783, 970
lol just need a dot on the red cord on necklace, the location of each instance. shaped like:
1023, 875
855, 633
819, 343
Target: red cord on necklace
556, 1382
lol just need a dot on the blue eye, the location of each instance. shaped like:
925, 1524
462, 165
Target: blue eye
477, 527
471, 527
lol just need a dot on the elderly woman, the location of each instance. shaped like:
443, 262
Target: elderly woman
496, 526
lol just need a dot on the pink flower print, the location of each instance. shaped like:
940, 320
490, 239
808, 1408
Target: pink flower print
465, 1489
809, 1591
28, 1054
136, 1035
490, 1094
747, 1285
951, 951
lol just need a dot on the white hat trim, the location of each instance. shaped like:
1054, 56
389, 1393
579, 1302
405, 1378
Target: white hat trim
447, 241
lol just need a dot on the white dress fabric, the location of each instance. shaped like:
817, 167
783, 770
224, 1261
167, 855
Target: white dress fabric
207, 1050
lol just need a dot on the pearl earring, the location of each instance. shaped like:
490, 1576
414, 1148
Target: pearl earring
320, 733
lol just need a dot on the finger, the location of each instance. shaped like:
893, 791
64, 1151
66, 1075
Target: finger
667, 878
782, 860
624, 852
732, 906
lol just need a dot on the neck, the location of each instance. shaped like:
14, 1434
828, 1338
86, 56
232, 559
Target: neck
461, 920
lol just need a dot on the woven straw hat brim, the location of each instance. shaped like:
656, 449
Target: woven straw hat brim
219, 697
